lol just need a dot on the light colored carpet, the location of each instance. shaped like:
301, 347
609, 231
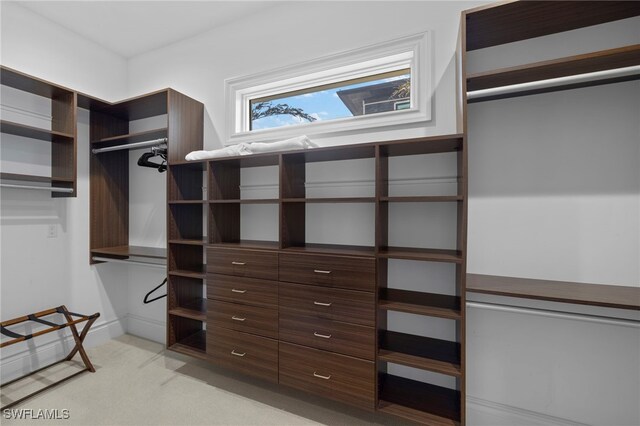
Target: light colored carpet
137, 382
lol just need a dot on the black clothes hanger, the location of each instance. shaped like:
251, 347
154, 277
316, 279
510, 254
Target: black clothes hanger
146, 297
155, 152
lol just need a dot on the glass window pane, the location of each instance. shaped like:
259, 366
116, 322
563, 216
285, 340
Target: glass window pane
370, 95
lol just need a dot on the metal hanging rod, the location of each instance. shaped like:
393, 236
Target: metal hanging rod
128, 262
553, 82
130, 146
42, 188
555, 314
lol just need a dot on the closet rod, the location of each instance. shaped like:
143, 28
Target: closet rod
130, 146
42, 188
128, 262
553, 82
555, 314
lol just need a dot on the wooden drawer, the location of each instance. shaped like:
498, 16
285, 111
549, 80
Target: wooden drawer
248, 291
347, 339
356, 273
246, 353
243, 263
337, 304
333, 376
249, 319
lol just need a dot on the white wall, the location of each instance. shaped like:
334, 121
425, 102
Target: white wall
39, 272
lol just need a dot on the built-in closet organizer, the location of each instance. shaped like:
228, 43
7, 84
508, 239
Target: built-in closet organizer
315, 316
495, 27
58, 130
178, 124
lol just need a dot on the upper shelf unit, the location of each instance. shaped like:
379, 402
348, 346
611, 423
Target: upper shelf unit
112, 137
61, 135
514, 21
511, 21
591, 69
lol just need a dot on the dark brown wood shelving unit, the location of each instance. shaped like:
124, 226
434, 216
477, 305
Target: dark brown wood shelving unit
61, 136
298, 266
512, 21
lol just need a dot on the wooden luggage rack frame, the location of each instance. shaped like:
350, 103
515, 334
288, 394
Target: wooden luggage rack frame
77, 337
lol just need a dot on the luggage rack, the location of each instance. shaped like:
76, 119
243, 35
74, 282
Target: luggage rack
51, 326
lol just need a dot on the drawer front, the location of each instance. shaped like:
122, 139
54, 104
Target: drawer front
243, 263
333, 376
355, 273
248, 319
243, 352
248, 291
347, 339
337, 304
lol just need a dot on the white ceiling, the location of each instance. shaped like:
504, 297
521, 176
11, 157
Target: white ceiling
130, 28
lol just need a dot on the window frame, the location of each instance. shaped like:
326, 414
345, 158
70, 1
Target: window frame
412, 51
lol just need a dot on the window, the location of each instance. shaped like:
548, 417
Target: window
381, 85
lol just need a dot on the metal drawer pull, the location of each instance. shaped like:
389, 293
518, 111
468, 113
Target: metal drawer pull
324, 336
319, 376
238, 291
235, 318
233, 352
322, 304
239, 263
320, 271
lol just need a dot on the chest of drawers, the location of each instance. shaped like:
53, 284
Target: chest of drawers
305, 321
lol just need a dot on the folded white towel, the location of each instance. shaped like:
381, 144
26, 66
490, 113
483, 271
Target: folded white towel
229, 151
299, 142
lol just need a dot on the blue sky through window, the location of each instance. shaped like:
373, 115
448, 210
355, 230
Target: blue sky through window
322, 104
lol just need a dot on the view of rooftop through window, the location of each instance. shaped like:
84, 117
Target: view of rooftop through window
363, 96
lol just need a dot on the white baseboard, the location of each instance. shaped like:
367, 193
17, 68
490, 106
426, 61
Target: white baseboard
147, 328
35, 355
483, 412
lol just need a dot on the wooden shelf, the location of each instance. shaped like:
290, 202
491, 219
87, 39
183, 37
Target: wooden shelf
123, 252
196, 310
428, 145
331, 200
417, 401
609, 296
132, 137
187, 274
423, 199
21, 81
17, 129
190, 242
563, 67
184, 164
332, 249
194, 345
33, 178
440, 356
247, 201
249, 244
420, 303
511, 21
411, 253
188, 202
135, 108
